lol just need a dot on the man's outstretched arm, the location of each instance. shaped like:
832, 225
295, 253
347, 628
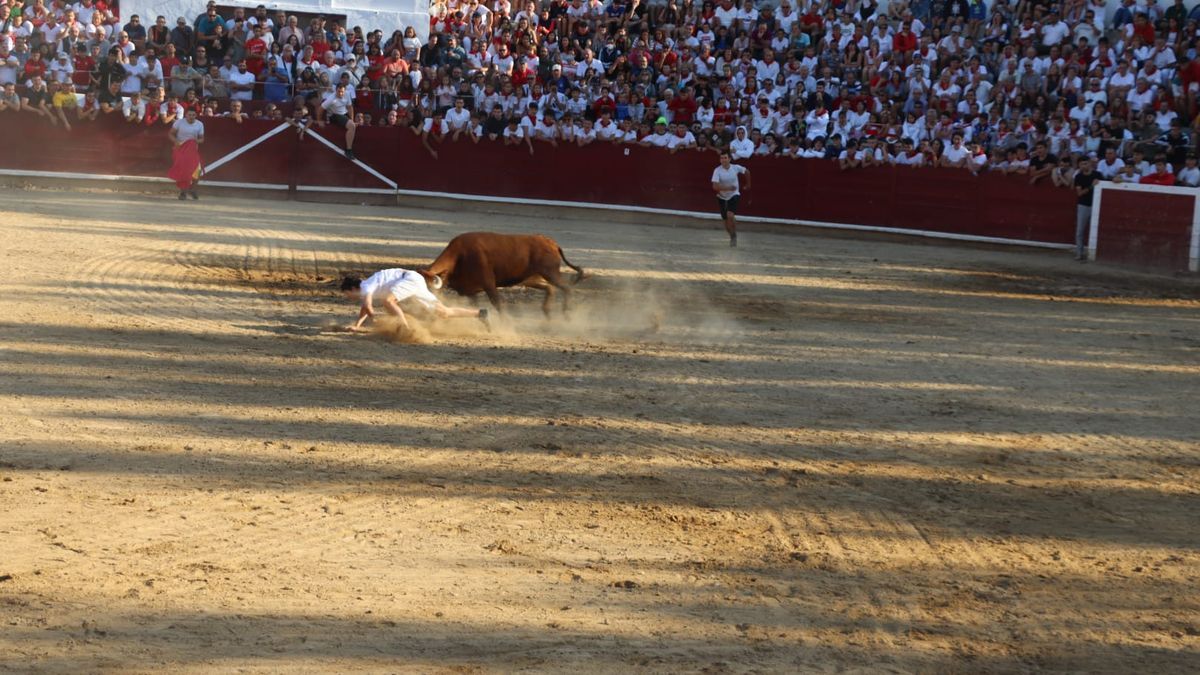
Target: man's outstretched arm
365, 312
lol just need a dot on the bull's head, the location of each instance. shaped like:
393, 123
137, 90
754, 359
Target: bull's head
432, 280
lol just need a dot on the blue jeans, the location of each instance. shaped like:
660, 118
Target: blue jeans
1083, 227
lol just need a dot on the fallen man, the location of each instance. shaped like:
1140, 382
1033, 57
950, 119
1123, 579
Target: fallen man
393, 287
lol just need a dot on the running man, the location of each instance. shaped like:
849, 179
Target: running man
186, 134
395, 286
725, 184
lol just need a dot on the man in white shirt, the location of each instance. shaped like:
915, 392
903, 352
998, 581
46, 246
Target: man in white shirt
606, 128
241, 83
682, 138
727, 14
660, 137
151, 67
62, 68
907, 155
395, 286
458, 117
9, 65
1189, 175
1054, 30
133, 79
339, 108
955, 155
725, 182
1140, 98
1110, 165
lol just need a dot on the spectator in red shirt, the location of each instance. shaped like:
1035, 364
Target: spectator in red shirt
1143, 29
34, 67
1162, 174
683, 107
905, 41
604, 103
84, 64
256, 51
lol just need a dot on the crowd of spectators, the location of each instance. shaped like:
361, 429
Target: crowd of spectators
1028, 87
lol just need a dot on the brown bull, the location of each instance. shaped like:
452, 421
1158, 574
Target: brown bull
484, 261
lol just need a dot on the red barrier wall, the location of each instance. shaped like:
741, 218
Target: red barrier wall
1145, 229
941, 200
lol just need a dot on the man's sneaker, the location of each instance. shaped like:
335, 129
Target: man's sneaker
194, 195
182, 195
350, 155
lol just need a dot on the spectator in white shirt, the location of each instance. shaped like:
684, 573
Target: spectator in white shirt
241, 83
681, 138
741, 146
1189, 175
1110, 165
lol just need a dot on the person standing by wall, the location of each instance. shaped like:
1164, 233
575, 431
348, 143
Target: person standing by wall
187, 134
1085, 187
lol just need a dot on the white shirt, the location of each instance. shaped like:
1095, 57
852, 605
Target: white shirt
741, 148
954, 154
443, 128
607, 133
337, 106
133, 79
676, 140
242, 79
728, 180
658, 140
401, 283
8, 70
1109, 170
1055, 33
458, 119
187, 131
1189, 177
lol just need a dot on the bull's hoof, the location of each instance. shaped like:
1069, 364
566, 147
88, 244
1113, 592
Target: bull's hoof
483, 317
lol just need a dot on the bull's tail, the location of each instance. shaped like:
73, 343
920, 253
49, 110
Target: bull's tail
580, 275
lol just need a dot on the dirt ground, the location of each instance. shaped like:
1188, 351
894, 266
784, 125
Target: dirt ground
806, 454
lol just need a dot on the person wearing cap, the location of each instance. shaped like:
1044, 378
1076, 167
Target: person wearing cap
61, 69
183, 37
184, 77
660, 138
726, 184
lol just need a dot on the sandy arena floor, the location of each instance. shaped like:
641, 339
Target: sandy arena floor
808, 454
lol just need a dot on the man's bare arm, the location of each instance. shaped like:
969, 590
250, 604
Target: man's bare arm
365, 312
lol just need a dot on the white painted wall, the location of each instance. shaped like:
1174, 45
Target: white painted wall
387, 15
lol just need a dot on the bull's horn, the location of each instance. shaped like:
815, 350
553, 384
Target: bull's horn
437, 283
